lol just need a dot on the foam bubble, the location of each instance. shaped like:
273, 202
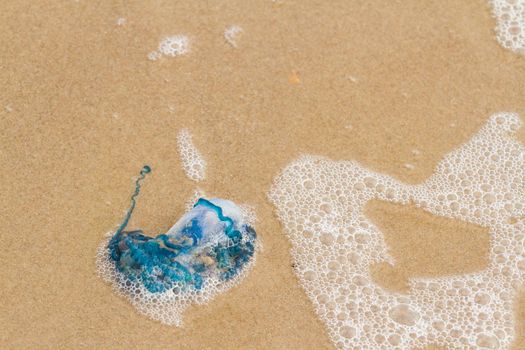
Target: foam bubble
510, 28
192, 161
231, 34
321, 205
171, 46
154, 55
121, 21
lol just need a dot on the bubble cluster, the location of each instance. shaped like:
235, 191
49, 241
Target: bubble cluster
321, 205
510, 29
193, 163
171, 46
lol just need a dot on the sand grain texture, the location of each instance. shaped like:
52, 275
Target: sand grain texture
372, 81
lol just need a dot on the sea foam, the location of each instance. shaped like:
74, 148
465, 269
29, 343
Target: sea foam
193, 162
232, 34
171, 46
510, 27
321, 205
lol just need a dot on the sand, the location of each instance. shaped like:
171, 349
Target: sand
82, 109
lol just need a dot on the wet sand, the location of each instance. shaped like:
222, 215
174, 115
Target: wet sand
82, 109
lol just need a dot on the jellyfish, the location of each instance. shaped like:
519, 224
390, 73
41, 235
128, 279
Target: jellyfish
210, 241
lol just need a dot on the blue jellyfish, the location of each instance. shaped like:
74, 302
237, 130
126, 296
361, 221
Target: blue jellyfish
212, 240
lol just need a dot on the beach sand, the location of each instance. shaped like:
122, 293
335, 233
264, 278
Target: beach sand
83, 109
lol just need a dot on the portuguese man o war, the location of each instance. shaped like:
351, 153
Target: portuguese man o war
207, 251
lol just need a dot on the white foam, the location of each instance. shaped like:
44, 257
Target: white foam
121, 21
171, 46
510, 27
197, 193
154, 55
231, 34
192, 161
321, 202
